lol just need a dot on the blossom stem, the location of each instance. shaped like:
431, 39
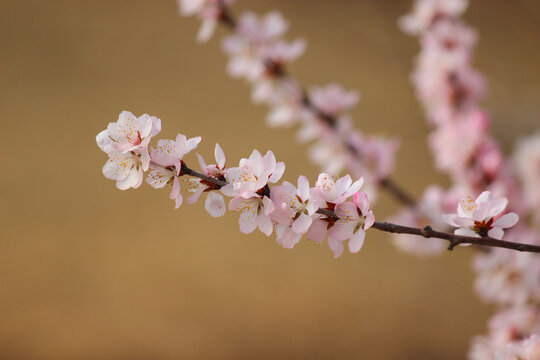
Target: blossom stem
427, 232
278, 70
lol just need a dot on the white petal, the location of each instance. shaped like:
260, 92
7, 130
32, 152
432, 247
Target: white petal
215, 204
507, 220
202, 163
265, 224
356, 242
220, 157
336, 246
496, 233
192, 144
342, 230
277, 173
465, 232
248, 220
302, 224
303, 187
317, 231
192, 199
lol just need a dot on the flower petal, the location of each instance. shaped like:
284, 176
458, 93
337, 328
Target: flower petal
220, 157
215, 204
507, 220
302, 224
356, 241
336, 246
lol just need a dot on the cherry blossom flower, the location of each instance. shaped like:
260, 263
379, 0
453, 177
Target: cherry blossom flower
167, 163
126, 169
254, 212
293, 209
248, 185
332, 99
354, 218
214, 204
330, 192
426, 12
481, 217
169, 153
209, 11
508, 277
130, 134
252, 175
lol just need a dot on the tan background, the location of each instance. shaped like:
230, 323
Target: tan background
90, 272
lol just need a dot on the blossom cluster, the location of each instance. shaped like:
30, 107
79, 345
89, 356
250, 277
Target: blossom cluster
318, 212
259, 54
449, 89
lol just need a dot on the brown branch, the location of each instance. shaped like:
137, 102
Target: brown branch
278, 70
427, 232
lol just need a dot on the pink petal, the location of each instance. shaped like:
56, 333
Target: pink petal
317, 231
356, 242
342, 230
507, 220
369, 221
496, 233
279, 169
215, 204
303, 187
220, 157
265, 224
465, 232
302, 224
347, 211
336, 246
248, 220
361, 200
192, 199
202, 163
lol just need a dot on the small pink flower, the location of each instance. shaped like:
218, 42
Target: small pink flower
252, 175
481, 217
293, 209
167, 163
354, 218
130, 134
125, 168
255, 212
208, 12
332, 99
214, 204
425, 13
327, 190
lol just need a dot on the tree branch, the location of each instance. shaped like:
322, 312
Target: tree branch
427, 232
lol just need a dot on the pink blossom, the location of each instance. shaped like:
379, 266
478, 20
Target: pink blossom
332, 99
293, 209
327, 190
509, 277
214, 204
169, 153
354, 218
125, 168
426, 12
208, 11
481, 217
130, 134
252, 175
159, 176
254, 212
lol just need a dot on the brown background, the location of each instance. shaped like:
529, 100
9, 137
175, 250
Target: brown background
90, 272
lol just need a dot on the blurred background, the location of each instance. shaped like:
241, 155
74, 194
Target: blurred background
91, 272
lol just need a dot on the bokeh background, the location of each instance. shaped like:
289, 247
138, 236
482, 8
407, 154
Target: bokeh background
90, 272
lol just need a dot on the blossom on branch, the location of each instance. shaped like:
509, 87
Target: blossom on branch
482, 217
